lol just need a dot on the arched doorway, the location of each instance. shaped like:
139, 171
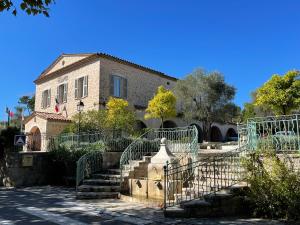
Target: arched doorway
200, 133
216, 135
169, 124
231, 135
34, 140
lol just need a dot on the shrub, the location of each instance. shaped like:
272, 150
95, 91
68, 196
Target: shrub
274, 188
7, 137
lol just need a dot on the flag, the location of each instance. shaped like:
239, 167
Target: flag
7, 110
11, 114
56, 105
22, 114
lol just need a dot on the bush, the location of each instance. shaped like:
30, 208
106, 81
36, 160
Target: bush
118, 145
7, 137
274, 188
65, 158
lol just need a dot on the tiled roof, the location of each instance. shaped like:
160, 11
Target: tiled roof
94, 56
48, 116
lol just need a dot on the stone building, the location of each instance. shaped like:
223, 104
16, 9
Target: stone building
92, 78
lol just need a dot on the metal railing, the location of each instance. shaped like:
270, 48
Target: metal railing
87, 165
279, 133
206, 176
180, 140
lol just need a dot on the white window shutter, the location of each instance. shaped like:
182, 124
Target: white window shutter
76, 89
85, 86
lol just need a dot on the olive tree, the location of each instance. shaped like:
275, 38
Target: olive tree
205, 96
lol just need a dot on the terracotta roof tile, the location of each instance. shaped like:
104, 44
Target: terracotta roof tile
48, 116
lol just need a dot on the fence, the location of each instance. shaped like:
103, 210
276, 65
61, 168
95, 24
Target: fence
206, 176
182, 140
280, 133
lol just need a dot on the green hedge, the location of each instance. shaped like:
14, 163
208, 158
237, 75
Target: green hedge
274, 188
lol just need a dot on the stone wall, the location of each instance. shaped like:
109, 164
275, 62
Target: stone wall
15, 170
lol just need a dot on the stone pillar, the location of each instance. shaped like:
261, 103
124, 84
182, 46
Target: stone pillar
156, 171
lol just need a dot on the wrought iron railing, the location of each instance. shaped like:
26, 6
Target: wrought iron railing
206, 176
87, 165
280, 133
180, 140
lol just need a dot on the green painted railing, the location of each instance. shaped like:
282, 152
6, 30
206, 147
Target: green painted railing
87, 165
280, 133
180, 140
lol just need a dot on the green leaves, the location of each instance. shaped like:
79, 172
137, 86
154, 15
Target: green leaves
280, 93
162, 105
31, 7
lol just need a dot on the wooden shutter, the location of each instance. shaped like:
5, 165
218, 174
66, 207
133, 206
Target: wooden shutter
42, 102
49, 98
76, 89
111, 92
85, 86
124, 88
58, 95
65, 92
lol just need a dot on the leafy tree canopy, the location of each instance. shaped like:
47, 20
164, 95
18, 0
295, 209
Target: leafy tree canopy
280, 93
119, 115
162, 105
31, 7
205, 96
28, 102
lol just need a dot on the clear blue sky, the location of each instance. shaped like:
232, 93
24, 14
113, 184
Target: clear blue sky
247, 41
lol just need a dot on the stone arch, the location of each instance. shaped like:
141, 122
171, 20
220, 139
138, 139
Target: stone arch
200, 132
140, 125
231, 134
215, 134
34, 139
169, 124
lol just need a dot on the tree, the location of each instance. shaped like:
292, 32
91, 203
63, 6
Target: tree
119, 115
205, 96
162, 105
90, 121
28, 102
280, 93
31, 7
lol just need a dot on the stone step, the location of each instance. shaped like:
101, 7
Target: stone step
98, 188
96, 195
100, 182
113, 171
175, 211
106, 176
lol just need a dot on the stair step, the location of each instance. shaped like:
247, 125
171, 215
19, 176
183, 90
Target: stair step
98, 188
106, 176
175, 211
100, 182
96, 195
113, 171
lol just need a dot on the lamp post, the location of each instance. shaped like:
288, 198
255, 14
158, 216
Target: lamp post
80, 107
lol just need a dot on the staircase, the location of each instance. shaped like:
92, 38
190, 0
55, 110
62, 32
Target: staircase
100, 185
231, 201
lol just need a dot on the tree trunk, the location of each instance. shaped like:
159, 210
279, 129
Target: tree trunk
206, 130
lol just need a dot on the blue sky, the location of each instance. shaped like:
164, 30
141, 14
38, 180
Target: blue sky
247, 41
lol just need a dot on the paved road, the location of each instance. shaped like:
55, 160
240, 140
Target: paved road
55, 205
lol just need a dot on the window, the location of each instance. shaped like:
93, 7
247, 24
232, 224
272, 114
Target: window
81, 87
118, 86
46, 98
62, 91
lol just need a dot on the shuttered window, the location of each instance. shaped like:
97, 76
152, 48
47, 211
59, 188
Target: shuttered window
81, 87
46, 99
118, 86
62, 93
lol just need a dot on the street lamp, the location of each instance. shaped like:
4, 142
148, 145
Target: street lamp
80, 107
